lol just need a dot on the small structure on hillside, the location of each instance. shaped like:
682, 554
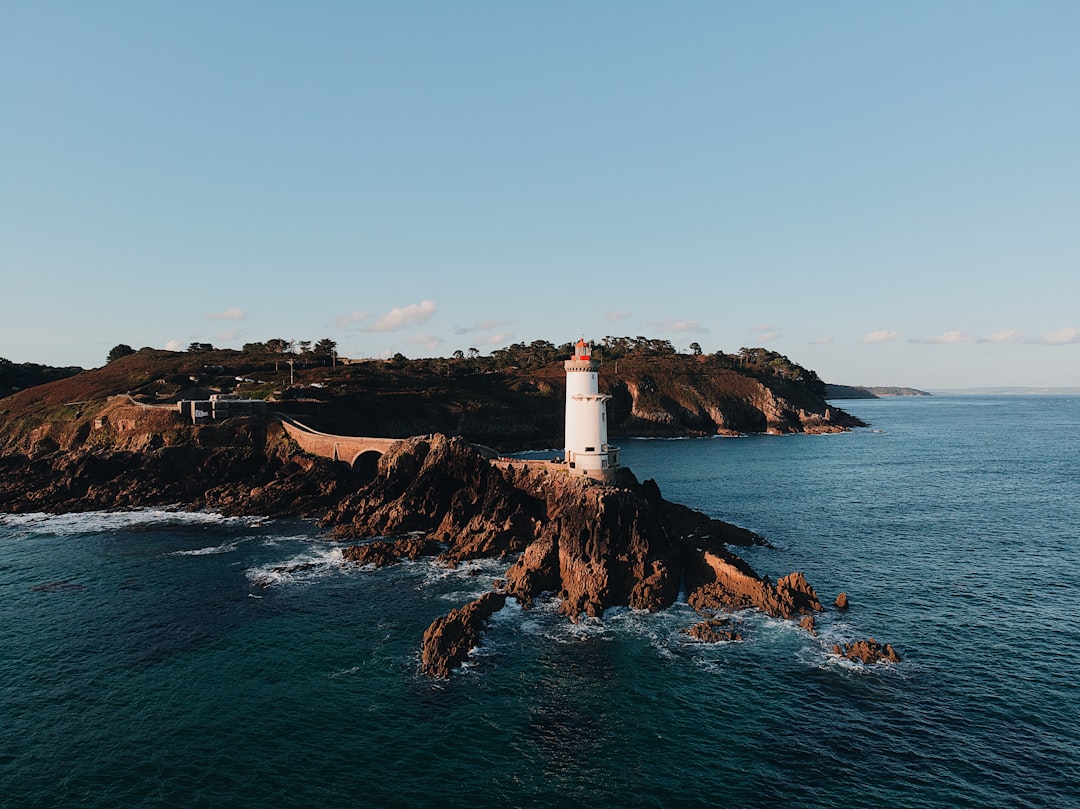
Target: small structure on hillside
587, 451
219, 406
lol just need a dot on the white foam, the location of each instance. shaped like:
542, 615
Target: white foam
96, 522
304, 568
215, 549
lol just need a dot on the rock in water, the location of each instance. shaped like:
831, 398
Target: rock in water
448, 640
867, 651
723, 581
842, 601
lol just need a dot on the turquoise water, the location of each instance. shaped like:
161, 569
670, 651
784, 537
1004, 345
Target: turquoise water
159, 659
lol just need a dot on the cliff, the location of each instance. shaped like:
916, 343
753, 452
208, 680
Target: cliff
126, 456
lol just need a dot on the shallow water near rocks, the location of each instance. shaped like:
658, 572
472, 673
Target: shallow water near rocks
157, 658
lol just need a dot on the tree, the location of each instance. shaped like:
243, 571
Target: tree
199, 347
696, 349
459, 354
119, 350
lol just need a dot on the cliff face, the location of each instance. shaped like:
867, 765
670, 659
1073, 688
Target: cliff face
137, 457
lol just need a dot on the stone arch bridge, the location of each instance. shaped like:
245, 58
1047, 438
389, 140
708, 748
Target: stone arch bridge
347, 448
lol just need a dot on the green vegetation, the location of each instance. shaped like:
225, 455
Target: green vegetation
118, 351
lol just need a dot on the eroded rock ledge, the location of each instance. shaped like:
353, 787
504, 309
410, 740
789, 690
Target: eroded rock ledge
593, 545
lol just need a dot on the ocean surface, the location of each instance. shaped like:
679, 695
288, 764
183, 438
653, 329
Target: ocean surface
160, 659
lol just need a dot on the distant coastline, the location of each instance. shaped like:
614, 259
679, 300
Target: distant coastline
833, 391
1009, 391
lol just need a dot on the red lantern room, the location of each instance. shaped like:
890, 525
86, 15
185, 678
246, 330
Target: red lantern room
582, 350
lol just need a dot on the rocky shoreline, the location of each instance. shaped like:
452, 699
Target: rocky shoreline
591, 545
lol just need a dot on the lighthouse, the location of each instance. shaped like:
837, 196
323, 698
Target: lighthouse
587, 451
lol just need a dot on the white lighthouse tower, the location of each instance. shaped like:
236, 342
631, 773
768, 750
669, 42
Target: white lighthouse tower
587, 451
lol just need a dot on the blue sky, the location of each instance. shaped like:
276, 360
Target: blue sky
888, 193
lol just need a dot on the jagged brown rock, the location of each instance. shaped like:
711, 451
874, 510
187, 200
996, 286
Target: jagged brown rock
382, 553
448, 640
866, 651
443, 488
243, 466
842, 601
722, 581
714, 630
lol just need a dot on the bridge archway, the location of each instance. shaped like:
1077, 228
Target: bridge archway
366, 463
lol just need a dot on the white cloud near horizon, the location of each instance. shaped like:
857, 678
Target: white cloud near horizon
1065, 336
344, 321
881, 336
483, 325
679, 325
765, 333
952, 336
174, 345
497, 340
233, 313
403, 317
427, 341
1003, 337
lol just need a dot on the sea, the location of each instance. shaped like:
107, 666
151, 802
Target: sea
157, 658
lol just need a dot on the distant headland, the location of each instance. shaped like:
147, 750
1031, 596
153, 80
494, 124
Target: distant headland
833, 391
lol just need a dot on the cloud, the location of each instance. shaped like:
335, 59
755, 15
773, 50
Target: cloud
880, 336
229, 314
952, 336
174, 345
676, 324
344, 321
483, 325
617, 315
765, 333
230, 335
426, 341
1070, 334
500, 339
1003, 337
403, 317
822, 341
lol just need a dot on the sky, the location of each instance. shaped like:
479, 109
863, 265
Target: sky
888, 193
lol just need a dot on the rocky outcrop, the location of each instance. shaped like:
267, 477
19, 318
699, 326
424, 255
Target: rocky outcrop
842, 601
725, 582
714, 630
591, 545
383, 553
449, 639
866, 651
444, 489
245, 466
